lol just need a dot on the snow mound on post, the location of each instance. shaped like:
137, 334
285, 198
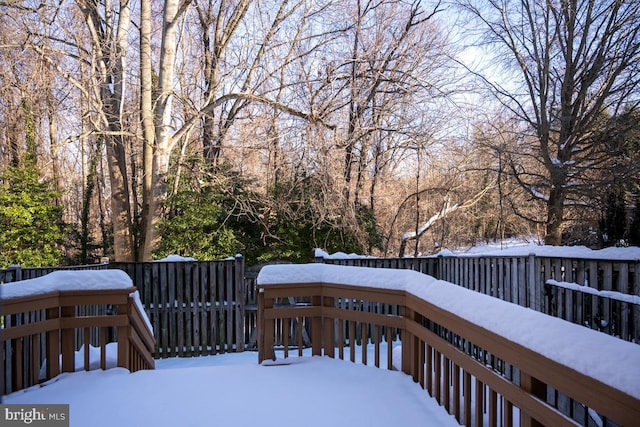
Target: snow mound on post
175, 258
319, 253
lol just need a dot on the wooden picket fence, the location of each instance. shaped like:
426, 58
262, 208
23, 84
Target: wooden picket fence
606, 298
195, 308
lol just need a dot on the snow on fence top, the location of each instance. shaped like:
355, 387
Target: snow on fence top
592, 353
630, 253
618, 296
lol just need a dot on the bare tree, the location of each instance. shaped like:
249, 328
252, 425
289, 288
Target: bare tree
576, 63
218, 25
383, 75
235, 75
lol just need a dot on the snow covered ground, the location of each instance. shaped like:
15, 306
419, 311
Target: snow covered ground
232, 389
520, 247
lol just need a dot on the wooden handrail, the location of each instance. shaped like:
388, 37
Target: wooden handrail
43, 328
447, 355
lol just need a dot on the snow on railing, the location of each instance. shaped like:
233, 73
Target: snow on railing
48, 319
478, 356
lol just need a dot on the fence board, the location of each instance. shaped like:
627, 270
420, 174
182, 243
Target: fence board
202, 271
213, 298
521, 278
486, 277
635, 290
229, 302
197, 310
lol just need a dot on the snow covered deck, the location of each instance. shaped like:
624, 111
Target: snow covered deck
233, 390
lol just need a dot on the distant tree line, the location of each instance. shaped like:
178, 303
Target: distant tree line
204, 128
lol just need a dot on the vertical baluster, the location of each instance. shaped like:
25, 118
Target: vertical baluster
467, 399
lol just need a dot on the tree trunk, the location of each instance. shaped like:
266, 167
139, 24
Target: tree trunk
353, 109
555, 213
53, 137
111, 69
120, 213
148, 128
163, 138
86, 204
116, 153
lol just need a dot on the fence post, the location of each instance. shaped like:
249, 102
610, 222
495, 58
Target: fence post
533, 287
636, 307
240, 301
439, 273
17, 272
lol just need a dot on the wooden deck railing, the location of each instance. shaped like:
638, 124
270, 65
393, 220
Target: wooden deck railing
478, 375
46, 330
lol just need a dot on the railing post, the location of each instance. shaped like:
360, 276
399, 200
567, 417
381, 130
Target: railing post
53, 345
409, 347
328, 333
316, 328
67, 340
535, 388
260, 325
265, 328
123, 337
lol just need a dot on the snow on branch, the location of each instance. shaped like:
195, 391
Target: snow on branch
447, 209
